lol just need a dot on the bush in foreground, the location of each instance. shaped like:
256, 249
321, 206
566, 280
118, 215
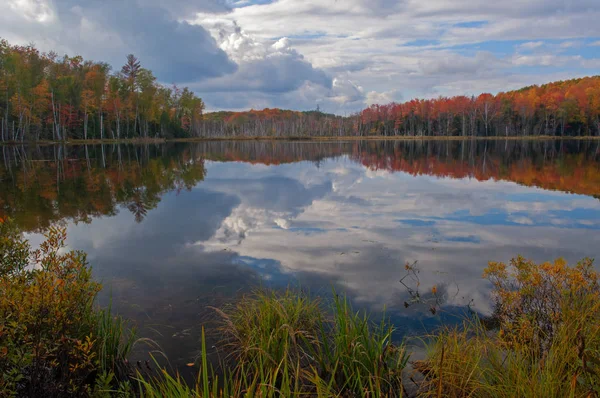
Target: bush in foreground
547, 343
53, 342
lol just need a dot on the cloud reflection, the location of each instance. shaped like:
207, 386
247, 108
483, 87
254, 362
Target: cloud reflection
330, 223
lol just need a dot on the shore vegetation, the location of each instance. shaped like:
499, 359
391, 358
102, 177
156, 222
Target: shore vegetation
543, 338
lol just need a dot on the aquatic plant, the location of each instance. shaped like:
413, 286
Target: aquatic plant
293, 340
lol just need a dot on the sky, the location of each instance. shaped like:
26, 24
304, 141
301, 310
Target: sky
339, 55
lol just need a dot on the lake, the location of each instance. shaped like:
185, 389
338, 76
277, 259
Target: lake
172, 230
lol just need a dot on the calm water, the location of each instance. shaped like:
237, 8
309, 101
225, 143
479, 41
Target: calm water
171, 230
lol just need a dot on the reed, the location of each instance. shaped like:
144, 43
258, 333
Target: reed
297, 345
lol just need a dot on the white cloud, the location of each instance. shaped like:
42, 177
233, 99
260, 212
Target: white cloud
530, 45
555, 60
408, 48
374, 97
342, 55
33, 10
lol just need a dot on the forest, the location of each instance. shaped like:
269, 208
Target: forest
561, 108
47, 97
564, 108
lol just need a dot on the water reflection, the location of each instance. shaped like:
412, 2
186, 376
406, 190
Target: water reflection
174, 229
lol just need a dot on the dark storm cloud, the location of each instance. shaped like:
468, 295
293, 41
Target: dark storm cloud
108, 30
279, 73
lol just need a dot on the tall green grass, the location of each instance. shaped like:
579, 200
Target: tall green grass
114, 341
286, 344
359, 357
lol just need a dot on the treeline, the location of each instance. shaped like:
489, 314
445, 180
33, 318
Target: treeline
43, 185
564, 108
274, 123
44, 96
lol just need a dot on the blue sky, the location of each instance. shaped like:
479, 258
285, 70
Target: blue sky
340, 55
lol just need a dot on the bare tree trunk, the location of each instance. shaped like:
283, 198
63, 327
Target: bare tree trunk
85, 124
56, 128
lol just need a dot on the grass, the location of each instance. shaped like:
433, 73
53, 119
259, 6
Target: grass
287, 344
295, 345
114, 340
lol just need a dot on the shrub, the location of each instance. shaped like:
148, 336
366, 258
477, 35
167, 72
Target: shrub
51, 339
547, 343
532, 301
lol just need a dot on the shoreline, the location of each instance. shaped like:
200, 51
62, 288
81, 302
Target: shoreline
137, 141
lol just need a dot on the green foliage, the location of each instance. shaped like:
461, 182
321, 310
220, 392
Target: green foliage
52, 342
47, 97
287, 341
14, 251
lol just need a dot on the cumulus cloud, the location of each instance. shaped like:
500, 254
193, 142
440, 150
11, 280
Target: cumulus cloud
268, 72
413, 48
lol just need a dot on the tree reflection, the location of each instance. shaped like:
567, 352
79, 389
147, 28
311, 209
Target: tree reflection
42, 185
